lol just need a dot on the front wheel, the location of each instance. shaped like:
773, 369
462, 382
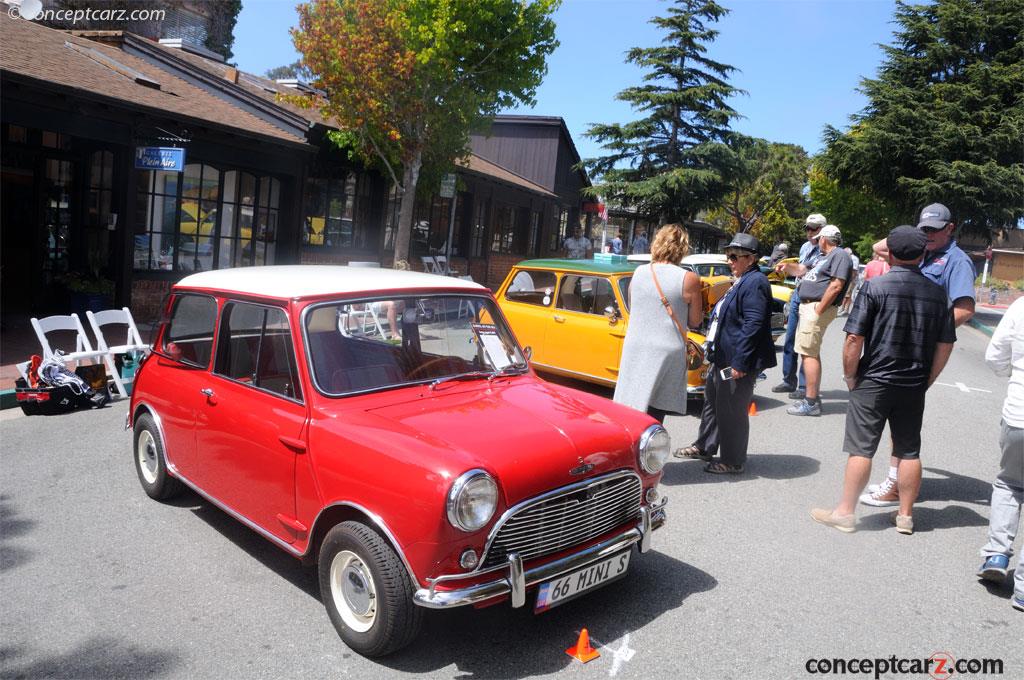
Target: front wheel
366, 590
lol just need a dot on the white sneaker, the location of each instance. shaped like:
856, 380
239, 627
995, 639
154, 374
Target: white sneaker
886, 495
872, 488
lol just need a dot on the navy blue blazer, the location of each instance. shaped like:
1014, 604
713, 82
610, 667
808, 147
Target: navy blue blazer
744, 336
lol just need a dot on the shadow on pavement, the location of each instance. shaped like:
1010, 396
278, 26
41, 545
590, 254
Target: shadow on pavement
281, 563
954, 487
759, 466
928, 519
97, 657
500, 642
12, 526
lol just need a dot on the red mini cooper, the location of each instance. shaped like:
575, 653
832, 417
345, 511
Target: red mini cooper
387, 426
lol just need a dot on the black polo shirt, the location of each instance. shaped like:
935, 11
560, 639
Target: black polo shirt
902, 315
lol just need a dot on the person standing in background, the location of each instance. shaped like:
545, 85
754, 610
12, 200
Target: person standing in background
576, 246
640, 244
790, 360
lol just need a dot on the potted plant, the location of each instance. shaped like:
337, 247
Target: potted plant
90, 290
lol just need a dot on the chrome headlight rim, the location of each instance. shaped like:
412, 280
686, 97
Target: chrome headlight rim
645, 441
455, 494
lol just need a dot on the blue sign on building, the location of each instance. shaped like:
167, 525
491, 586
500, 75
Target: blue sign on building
168, 158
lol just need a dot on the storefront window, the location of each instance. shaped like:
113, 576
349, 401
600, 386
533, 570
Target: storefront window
504, 229
561, 230
342, 212
222, 219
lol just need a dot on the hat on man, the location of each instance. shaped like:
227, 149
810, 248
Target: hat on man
906, 243
934, 216
745, 242
831, 232
815, 221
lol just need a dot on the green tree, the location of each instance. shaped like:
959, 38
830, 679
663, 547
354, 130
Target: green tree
945, 115
766, 194
221, 34
293, 70
862, 217
406, 81
673, 162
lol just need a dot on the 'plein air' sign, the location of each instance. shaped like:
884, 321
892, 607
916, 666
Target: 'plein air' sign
167, 158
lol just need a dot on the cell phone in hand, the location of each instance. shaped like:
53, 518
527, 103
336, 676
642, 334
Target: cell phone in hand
726, 373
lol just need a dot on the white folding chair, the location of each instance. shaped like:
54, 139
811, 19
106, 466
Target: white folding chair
442, 265
463, 303
429, 264
51, 324
133, 341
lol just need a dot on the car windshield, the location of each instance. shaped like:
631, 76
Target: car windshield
713, 270
389, 342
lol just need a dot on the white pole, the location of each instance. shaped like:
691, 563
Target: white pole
984, 273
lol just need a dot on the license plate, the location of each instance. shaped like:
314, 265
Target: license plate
564, 588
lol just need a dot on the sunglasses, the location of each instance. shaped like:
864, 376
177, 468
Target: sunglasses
812, 228
732, 257
931, 230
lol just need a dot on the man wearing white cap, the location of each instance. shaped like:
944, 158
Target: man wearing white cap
809, 253
821, 291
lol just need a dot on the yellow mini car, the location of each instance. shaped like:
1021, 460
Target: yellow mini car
573, 315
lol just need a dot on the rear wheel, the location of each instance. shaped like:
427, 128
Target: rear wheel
366, 591
150, 463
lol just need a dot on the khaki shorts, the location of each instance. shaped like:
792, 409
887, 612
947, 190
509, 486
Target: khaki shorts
811, 328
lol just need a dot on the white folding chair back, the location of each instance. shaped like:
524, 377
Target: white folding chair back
51, 324
465, 306
430, 265
442, 265
133, 341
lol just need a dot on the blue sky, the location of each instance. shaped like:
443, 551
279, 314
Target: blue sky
799, 60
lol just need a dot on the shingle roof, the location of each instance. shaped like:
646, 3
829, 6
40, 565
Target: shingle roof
40, 53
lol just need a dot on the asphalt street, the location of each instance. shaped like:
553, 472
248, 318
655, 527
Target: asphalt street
98, 581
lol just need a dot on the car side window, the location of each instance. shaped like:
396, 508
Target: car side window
256, 348
533, 287
191, 328
587, 294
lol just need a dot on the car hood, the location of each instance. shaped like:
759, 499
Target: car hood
526, 433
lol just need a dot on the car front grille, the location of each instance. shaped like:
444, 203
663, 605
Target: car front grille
565, 518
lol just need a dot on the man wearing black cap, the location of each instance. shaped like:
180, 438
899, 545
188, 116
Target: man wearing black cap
950, 267
740, 346
899, 336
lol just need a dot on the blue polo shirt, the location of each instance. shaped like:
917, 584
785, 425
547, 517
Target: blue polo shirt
952, 269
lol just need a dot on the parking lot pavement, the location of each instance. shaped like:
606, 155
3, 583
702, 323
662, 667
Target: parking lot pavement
96, 580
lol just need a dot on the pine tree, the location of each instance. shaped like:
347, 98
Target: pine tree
673, 162
945, 115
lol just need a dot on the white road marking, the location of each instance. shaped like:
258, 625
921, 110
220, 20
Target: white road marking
619, 656
964, 388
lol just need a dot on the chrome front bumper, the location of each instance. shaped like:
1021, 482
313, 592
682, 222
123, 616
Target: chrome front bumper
515, 580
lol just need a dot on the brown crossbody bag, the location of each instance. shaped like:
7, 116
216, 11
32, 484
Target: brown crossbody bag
668, 308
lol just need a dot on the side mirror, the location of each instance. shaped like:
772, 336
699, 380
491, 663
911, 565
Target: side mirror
611, 312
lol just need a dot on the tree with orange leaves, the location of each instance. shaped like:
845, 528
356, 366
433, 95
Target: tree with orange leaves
406, 81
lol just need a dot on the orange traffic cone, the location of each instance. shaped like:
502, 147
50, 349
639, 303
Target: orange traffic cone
752, 411
583, 651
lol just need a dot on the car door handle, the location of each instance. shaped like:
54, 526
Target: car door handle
296, 445
558, 319
207, 392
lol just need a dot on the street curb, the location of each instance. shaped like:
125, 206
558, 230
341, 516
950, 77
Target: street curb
987, 330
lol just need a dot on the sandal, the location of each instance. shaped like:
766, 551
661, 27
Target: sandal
723, 469
691, 452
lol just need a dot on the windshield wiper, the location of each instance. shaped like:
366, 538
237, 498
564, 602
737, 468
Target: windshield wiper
511, 369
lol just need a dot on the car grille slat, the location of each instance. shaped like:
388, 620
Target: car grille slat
531, 522
556, 523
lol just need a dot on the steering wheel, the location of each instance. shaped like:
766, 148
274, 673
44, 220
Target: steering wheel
422, 368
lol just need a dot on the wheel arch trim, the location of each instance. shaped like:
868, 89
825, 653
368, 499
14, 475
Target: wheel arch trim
377, 523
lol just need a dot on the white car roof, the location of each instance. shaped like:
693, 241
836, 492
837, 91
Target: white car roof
308, 280
706, 258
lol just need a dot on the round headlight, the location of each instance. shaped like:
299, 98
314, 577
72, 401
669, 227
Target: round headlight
472, 500
655, 446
